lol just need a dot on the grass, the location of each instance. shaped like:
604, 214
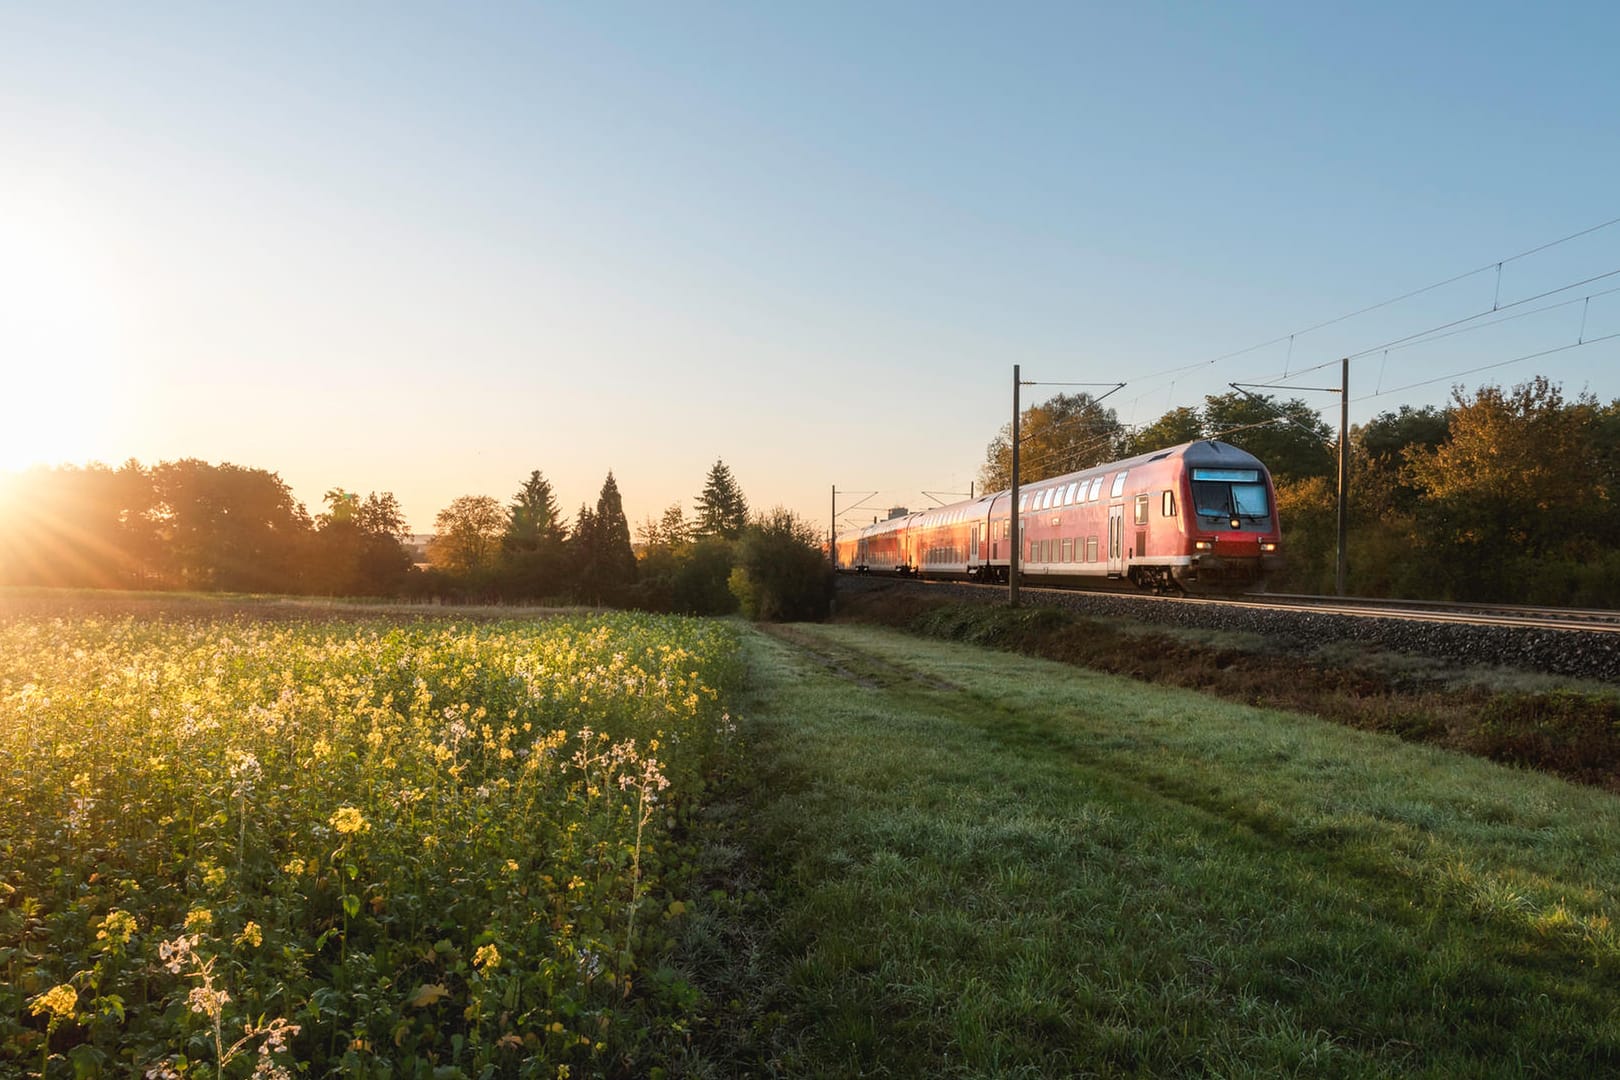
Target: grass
955, 862
1563, 726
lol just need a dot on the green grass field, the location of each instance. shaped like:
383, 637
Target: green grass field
960, 862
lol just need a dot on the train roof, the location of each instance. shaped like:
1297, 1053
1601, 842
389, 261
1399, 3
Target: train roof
1199, 452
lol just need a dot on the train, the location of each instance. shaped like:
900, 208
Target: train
1200, 517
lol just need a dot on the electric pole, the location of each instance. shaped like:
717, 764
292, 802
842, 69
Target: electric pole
1012, 561
1342, 570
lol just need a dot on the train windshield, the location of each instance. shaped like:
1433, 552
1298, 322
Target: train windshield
1231, 493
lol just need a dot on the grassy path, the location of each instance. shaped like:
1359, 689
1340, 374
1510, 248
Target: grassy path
960, 862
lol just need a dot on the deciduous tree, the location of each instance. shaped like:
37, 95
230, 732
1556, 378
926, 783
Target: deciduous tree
1062, 434
468, 535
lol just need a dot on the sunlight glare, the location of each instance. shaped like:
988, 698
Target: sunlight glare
58, 340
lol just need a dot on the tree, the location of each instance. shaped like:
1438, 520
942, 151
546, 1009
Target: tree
75, 526
781, 573
605, 564
1290, 437
533, 555
1180, 425
468, 535
670, 530
358, 547
720, 509
533, 520
227, 527
1519, 467
1064, 434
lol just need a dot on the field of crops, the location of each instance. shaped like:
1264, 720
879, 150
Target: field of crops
402, 849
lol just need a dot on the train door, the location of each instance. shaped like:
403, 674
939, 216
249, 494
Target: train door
1116, 553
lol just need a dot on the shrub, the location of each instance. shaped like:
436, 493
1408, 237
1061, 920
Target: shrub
781, 573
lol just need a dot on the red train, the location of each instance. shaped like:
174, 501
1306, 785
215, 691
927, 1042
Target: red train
1199, 517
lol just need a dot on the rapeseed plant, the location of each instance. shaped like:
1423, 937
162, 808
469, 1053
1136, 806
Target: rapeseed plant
303, 821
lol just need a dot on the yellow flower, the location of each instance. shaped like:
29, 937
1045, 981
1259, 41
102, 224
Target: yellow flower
59, 1002
347, 820
251, 935
294, 866
198, 919
116, 928
487, 957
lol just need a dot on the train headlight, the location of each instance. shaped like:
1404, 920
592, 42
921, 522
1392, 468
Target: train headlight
1268, 546
1204, 545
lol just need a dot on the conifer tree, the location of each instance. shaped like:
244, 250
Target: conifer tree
607, 564
721, 509
533, 520
532, 553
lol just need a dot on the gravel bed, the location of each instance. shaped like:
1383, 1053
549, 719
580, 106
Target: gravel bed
1582, 654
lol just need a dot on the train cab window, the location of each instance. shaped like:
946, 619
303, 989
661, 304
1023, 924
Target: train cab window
1096, 488
1119, 485
1239, 494
1168, 509
1141, 509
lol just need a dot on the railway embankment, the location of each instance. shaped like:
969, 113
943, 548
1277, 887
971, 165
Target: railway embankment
1540, 698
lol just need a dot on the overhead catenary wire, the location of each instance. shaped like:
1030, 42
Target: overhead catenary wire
1496, 364
1289, 372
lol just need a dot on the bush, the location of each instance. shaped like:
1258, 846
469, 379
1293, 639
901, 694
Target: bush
782, 575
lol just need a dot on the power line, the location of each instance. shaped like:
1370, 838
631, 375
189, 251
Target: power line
1497, 364
1459, 326
1493, 265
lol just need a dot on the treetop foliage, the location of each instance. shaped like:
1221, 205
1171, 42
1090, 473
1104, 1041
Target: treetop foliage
720, 509
189, 524
604, 562
1063, 434
468, 534
533, 519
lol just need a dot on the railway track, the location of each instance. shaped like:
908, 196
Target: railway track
1545, 618
1580, 643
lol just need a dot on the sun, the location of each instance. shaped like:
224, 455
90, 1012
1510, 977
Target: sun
58, 342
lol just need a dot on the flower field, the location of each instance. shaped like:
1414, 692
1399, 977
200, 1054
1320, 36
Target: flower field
233, 848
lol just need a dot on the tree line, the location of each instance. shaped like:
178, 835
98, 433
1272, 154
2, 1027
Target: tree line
1502, 495
192, 525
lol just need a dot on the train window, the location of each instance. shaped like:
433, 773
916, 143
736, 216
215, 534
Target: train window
1119, 485
1141, 509
1169, 506
1046, 498
1091, 549
1096, 488
1022, 499
1068, 551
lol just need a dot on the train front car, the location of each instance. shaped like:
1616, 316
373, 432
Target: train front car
1228, 537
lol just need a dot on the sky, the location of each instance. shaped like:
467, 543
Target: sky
429, 248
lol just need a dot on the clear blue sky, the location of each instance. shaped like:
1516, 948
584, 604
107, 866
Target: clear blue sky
428, 248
